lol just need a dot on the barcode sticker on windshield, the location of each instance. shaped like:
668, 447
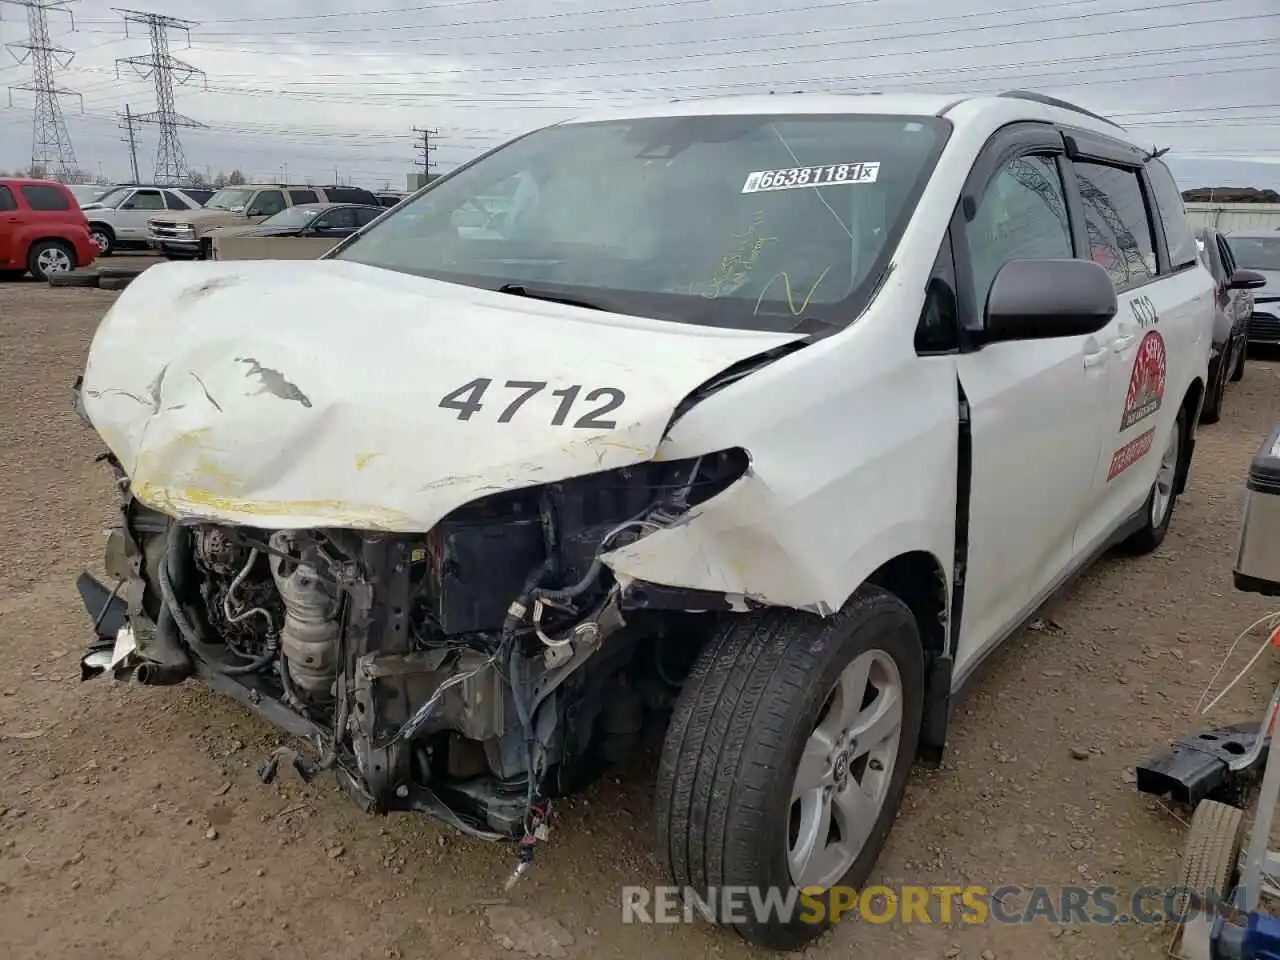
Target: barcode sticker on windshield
794, 178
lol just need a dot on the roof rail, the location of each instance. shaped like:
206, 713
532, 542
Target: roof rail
1055, 102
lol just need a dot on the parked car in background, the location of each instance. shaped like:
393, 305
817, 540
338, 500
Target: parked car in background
87, 192
1233, 305
118, 219
336, 220
388, 198
185, 236
43, 231
1260, 250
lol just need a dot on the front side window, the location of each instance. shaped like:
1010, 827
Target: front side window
761, 222
230, 200
341, 219
1257, 253
1115, 214
145, 200
1022, 216
42, 197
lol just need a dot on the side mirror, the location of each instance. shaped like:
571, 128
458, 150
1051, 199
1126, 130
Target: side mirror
1246, 280
1039, 299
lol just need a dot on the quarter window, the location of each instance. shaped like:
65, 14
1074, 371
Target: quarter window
1022, 215
40, 197
6, 199
1178, 235
1115, 213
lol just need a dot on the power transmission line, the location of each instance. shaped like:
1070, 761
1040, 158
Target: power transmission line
51, 151
164, 69
427, 148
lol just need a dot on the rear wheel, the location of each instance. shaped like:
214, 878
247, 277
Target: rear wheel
788, 755
1164, 493
1211, 412
49, 257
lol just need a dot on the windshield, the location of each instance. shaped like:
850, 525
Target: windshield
767, 223
113, 198
1256, 253
231, 199
292, 216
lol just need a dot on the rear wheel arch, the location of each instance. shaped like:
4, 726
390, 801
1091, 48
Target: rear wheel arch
1191, 404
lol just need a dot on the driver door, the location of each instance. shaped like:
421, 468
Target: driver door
1034, 406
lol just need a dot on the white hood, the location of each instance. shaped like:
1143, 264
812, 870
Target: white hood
303, 394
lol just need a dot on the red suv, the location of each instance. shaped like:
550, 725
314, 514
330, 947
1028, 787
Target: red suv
42, 229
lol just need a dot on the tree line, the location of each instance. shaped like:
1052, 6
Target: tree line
194, 177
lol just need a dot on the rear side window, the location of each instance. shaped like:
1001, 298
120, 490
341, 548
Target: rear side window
366, 216
42, 197
348, 195
6, 199
200, 196
303, 196
1115, 212
1178, 235
173, 201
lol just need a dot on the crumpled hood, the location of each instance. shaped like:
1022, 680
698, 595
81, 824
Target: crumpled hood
293, 394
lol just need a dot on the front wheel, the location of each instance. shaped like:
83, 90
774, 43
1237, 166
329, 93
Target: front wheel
1164, 493
1237, 372
787, 759
104, 238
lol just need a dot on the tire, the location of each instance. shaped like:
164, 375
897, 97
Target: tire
750, 706
1164, 493
48, 257
1237, 371
121, 270
1211, 412
1211, 853
104, 237
75, 279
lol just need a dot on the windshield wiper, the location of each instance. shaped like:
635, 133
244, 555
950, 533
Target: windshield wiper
533, 293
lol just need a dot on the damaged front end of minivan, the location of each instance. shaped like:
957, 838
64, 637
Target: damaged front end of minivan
474, 669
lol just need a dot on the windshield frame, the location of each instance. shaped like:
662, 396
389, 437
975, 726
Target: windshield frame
313, 210
124, 192
1266, 241
643, 304
249, 191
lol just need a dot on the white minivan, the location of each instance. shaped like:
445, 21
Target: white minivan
752, 424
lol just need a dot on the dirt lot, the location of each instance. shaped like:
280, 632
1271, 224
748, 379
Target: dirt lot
132, 824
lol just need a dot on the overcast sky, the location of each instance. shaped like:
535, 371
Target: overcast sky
301, 90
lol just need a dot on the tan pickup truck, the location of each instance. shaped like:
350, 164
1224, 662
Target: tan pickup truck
185, 235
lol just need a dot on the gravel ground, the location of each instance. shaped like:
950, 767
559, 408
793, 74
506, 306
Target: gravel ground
132, 824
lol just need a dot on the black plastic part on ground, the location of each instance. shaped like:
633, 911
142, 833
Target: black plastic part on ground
1197, 767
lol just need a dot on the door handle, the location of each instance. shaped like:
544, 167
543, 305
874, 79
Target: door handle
1122, 343
1095, 358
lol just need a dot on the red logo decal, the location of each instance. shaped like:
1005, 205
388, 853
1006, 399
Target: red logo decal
1146, 383
1130, 453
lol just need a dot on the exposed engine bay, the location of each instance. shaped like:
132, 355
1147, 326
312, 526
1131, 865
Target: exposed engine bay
474, 672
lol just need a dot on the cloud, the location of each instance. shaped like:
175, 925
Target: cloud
335, 88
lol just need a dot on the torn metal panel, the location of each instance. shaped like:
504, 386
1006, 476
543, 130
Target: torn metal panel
295, 394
